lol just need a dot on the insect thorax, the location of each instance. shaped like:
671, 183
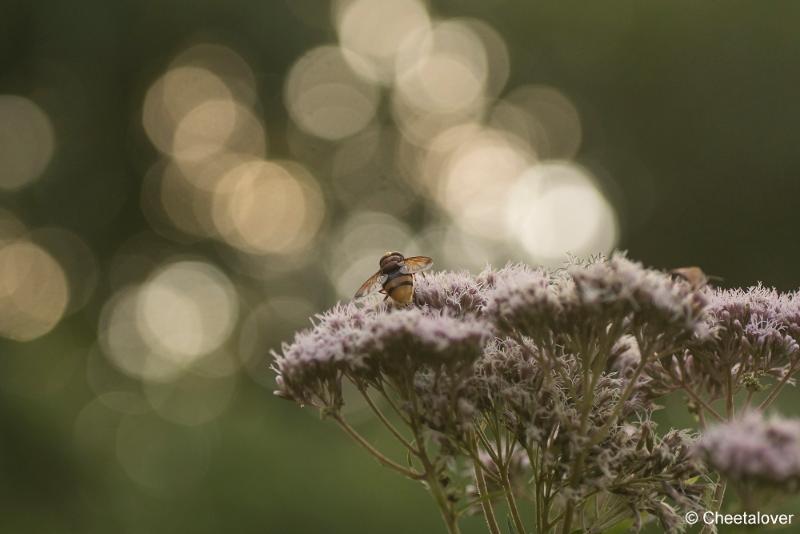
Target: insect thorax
389, 261
390, 267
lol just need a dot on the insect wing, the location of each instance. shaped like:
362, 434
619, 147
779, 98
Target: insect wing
416, 264
372, 284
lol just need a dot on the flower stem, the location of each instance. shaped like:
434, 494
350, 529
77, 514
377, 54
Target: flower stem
414, 475
538, 486
701, 418
716, 504
512, 502
626, 394
448, 514
394, 406
747, 400
703, 404
389, 426
587, 401
773, 394
431, 475
681, 378
730, 410
486, 503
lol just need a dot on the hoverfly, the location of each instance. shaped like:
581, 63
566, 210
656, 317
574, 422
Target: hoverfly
395, 278
694, 276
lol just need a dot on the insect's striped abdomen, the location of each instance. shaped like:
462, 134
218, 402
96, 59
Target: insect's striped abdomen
400, 287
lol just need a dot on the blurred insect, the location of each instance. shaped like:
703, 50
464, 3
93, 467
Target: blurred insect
694, 276
395, 278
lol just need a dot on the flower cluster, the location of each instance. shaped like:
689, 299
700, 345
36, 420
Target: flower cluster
756, 335
373, 344
412, 339
526, 384
459, 293
310, 368
594, 296
754, 449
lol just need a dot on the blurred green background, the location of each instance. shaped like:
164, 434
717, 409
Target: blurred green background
183, 183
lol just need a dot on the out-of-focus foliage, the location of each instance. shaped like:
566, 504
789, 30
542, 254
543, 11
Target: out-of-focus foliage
183, 183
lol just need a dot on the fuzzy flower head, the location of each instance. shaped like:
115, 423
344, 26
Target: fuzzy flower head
755, 334
752, 449
524, 299
790, 314
309, 368
459, 293
635, 452
649, 298
593, 296
409, 339
662, 303
371, 343
757, 322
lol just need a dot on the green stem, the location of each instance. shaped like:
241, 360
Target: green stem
747, 400
626, 393
691, 392
448, 515
512, 502
577, 467
431, 474
536, 466
487, 446
729, 408
699, 400
483, 493
389, 426
701, 418
383, 460
777, 387
716, 504
394, 406
567, 524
